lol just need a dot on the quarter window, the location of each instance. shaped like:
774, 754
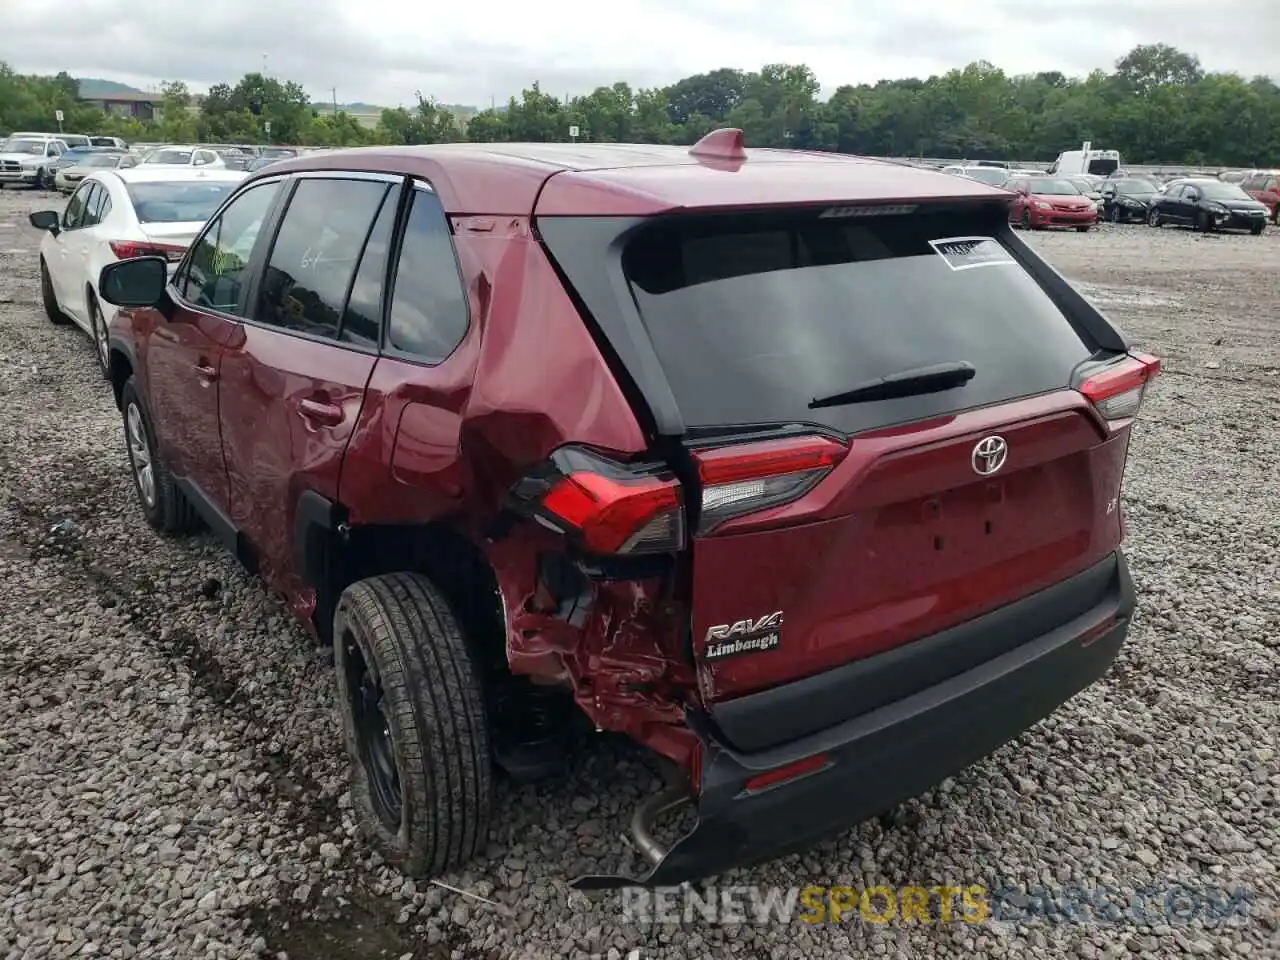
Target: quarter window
428, 306
316, 250
214, 274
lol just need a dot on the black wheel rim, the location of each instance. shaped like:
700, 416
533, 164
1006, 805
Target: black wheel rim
367, 703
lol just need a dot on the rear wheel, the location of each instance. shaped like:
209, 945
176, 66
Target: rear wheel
49, 298
98, 325
413, 715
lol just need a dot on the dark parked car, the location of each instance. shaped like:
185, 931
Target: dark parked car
806, 477
1127, 200
1207, 205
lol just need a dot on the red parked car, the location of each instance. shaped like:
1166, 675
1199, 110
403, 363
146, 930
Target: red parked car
1264, 186
1044, 202
801, 470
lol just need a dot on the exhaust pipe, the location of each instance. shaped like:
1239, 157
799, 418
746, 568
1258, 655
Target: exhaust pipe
648, 813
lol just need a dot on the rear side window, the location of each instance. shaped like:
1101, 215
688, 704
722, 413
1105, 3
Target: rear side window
753, 317
363, 317
429, 313
315, 254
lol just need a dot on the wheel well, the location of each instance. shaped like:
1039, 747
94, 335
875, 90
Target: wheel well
452, 561
120, 372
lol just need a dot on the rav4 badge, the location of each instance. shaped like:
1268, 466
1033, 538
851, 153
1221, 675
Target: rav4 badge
744, 636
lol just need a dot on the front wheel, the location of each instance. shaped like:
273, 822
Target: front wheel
1257, 229
1154, 219
49, 298
1026, 220
1114, 214
415, 725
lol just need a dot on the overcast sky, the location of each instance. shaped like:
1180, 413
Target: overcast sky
381, 51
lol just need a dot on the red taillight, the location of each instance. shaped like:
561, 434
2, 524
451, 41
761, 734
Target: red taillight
614, 508
1117, 392
744, 478
128, 249
607, 507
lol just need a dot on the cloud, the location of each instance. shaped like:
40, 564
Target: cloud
381, 51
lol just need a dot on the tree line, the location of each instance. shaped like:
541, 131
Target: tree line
1157, 106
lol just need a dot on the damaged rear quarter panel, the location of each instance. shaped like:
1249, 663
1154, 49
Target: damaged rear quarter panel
446, 442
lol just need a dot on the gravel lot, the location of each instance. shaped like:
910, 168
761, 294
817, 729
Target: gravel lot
173, 784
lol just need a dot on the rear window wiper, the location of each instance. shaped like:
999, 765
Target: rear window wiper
906, 383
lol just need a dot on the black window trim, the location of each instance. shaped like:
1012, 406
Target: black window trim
419, 184
268, 223
275, 219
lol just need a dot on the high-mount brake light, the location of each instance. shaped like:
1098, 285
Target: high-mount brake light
1118, 391
608, 507
748, 477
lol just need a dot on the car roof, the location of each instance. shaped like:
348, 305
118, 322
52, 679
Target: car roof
159, 174
628, 179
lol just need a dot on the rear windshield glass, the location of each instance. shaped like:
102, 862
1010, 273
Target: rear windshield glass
170, 156
180, 202
753, 317
992, 175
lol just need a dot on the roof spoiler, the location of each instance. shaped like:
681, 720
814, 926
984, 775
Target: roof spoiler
722, 144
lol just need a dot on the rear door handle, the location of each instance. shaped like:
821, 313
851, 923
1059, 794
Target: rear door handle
326, 413
206, 371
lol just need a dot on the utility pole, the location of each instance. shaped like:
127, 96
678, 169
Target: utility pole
264, 65
334, 90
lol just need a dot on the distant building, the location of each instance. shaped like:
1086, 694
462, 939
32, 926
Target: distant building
139, 106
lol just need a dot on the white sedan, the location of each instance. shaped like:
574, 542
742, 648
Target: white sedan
115, 215
204, 158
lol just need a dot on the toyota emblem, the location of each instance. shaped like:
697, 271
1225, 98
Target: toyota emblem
989, 455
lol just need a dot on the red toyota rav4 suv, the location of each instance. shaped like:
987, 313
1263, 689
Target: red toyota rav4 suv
801, 470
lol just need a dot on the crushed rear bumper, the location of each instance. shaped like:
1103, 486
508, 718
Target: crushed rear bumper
889, 754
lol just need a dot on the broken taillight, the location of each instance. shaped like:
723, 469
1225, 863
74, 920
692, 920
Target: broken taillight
1117, 392
607, 507
747, 477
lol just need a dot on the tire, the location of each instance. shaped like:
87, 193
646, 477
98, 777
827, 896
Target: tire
163, 504
1202, 222
1154, 219
411, 700
1113, 214
1026, 220
98, 328
1083, 229
1257, 230
49, 298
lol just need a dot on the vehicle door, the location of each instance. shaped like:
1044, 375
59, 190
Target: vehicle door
60, 252
1270, 194
1188, 203
404, 464
292, 383
184, 352
79, 248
